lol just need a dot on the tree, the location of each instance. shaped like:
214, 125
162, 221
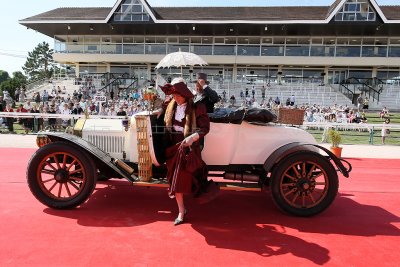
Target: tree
11, 84
4, 76
40, 63
20, 78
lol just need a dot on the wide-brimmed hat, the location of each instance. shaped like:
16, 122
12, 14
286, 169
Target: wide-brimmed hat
177, 86
202, 76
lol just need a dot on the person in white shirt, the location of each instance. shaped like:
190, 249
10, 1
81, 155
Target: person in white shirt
112, 112
292, 100
28, 106
65, 111
385, 130
82, 103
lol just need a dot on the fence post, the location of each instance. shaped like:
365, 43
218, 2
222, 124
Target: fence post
371, 136
35, 124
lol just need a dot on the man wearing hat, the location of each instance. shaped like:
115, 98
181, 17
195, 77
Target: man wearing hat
186, 124
205, 94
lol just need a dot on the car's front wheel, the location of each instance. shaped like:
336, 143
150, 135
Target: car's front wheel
61, 175
304, 184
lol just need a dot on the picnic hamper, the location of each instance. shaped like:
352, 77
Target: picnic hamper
291, 116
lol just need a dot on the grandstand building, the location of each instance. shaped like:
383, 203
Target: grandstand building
353, 45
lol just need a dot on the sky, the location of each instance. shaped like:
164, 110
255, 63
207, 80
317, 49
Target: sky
17, 40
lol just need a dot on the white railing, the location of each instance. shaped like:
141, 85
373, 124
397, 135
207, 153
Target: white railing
350, 126
24, 115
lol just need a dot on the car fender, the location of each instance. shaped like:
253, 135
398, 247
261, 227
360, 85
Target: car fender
290, 148
91, 149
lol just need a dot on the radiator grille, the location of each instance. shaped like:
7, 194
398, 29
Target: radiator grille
110, 144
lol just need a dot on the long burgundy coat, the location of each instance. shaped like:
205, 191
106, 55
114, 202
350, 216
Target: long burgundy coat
186, 182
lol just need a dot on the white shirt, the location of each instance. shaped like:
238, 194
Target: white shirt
179, 115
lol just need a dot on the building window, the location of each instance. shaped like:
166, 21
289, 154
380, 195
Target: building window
131, 10
356, 10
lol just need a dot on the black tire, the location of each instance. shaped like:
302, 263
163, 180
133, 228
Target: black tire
304, 184
61, 175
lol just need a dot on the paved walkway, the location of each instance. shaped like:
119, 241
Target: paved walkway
349, 151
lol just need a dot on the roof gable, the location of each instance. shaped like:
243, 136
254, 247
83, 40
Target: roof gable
356, 10
131, 10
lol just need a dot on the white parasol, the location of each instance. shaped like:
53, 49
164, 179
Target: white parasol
180, 59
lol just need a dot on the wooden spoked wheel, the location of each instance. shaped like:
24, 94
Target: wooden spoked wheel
304, 183
61, 175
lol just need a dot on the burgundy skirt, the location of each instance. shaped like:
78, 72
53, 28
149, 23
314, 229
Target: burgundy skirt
183, 180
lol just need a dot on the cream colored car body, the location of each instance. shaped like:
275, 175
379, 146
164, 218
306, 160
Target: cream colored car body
225, 144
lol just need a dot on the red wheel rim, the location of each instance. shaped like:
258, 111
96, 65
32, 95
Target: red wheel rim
61, 176
304, 184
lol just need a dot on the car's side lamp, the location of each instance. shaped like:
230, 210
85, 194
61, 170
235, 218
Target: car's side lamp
126, 123
42, 140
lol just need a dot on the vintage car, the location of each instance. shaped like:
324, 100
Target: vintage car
300, 175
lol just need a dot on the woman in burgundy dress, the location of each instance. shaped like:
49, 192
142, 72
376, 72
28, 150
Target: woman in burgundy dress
186, 125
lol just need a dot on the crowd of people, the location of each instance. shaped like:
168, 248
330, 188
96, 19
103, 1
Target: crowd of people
78, 103
122, 102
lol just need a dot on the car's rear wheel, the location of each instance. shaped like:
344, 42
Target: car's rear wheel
61, 175
304, 184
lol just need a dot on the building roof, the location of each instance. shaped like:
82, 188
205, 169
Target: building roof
391, 12
241, 13
210, 13
72, 13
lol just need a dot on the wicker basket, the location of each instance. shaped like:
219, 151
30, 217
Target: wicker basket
144, 159
291, 116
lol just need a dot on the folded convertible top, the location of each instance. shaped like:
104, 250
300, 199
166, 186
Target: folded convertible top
236, 116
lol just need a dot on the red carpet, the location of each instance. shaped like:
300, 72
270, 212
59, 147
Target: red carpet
122, 225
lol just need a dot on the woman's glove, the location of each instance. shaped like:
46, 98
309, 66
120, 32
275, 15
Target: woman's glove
188, 141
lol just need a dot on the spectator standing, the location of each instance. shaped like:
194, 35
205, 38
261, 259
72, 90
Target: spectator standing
224, 95
82, 104
45, 119
17, 93
22, 121
52, 110
34, 121
292, 100
65, 111
232, 100
22, 96
2, 103
37, 98
204, 94
366, 103
385, 130
45, 96
263, 89
8, 120
359, 102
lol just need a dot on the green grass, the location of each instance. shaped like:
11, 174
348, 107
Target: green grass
356, 137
